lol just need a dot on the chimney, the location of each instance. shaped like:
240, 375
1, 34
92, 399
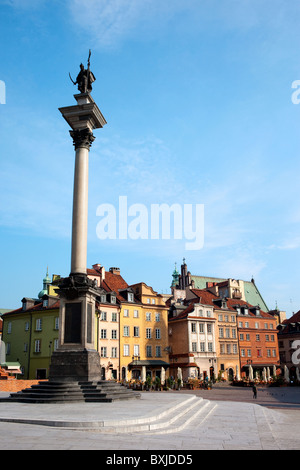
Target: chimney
115, 271
97, 267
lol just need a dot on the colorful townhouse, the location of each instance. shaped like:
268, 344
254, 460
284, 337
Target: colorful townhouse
227, 364
153, 357
142, 318
288, 343
30, 335
192, 340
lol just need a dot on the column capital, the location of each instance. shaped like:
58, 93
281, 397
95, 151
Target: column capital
82, 138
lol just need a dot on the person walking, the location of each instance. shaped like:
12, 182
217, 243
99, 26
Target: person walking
254, 391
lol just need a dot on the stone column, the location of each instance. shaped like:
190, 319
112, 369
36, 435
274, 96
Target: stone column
82, 142
76, 358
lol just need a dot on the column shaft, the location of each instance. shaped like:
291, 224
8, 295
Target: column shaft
80, 212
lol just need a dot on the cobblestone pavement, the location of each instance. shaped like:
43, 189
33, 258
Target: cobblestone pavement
226, 419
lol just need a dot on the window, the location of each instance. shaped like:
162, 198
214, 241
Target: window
114, 352
271, 326
193, 325
233, 318
256, 325
157, 351
257, 337
222, 348
259, 353
210, 347
233, 333
157, 333
38, 324
157, 317
227, 332
201, 327
114, 316
226, 318
126, 350
247, 337
25, 347
240, 324
268, 352
246, 324
266, 326
136, 331
243, 352
267, 338
148, 333
113, 334
209, 328
8, 348
208, 313
202, 347
194, 347
220, 317
135, 313
153, 301
136, 350
103, 334
103, 298
113, 299
228, 348
221, 333
126, 312
149, 351
130, 297
249, 354
148, 316
148, 301
56, 323
103, 351
234, 348
241, 336
272, 338
37, 346
126, 331
26, 325
103, 316
273, 352
55, 344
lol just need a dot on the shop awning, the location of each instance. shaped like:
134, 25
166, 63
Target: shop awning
149, 363
12, 367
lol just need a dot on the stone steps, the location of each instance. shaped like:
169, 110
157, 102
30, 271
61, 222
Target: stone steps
191, 410
63, 392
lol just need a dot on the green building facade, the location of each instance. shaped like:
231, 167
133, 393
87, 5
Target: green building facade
31, 335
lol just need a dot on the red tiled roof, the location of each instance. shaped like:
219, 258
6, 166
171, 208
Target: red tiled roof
34, 308
295, 318
114, 282
208, 298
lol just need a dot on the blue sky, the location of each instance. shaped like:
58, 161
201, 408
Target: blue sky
197, 98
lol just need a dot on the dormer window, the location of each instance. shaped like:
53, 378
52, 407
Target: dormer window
113, 299
130, 297
257, 311
103, 298
246, 311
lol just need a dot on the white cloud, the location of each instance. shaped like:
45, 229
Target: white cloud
107, 20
